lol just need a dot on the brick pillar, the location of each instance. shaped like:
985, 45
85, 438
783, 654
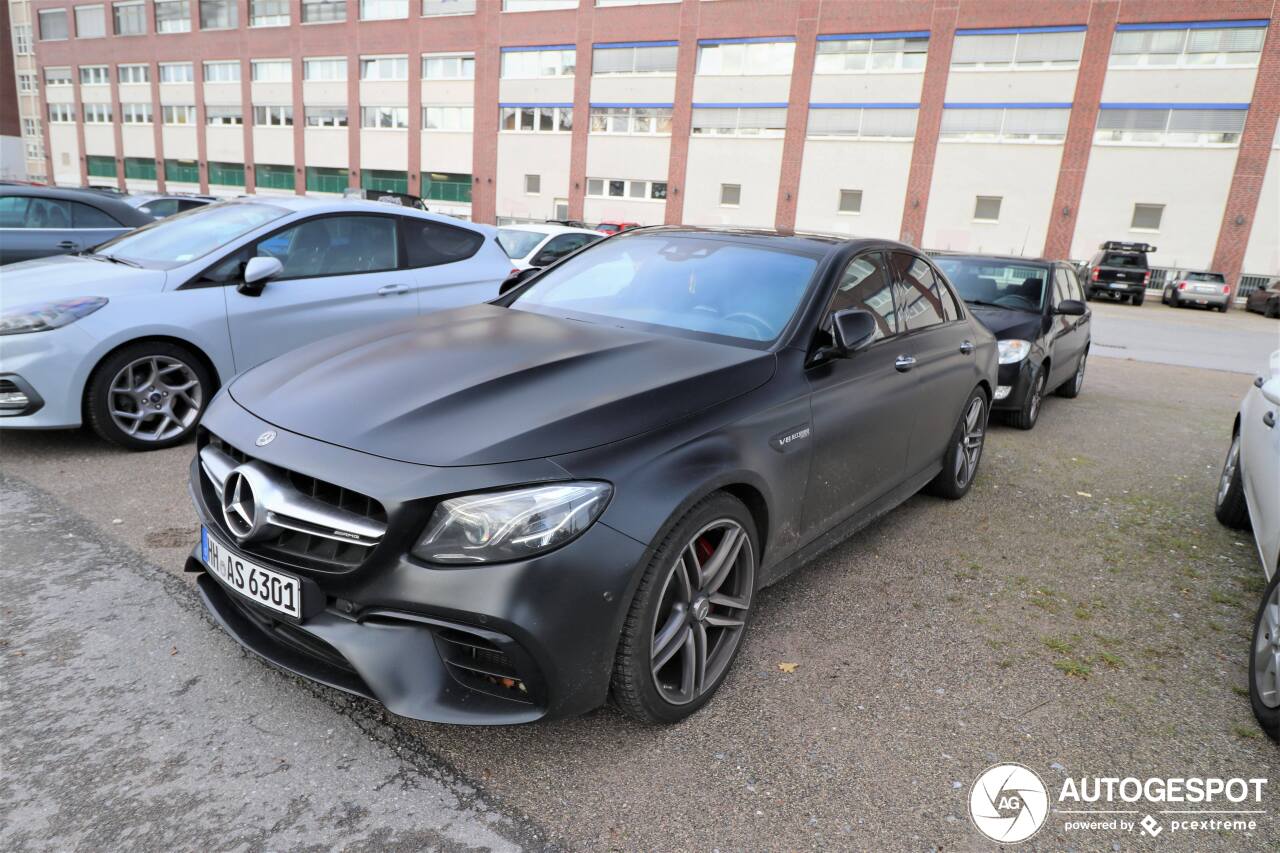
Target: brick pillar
299, 123
246, 109
1080, 129
1251, 164
581, 110
353, 117
682, 111
415, 113
942, 32
806, 27
484, 137
78, 106
117, 126
202, 143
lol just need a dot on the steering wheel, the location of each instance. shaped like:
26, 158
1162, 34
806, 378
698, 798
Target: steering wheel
754, 320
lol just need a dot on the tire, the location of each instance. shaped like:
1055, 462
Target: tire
1229, 503
1137, 299
1273, 309
666, 603
960, 469
1073, 386
1026, 416
1088, 295
1264, 652
159, 389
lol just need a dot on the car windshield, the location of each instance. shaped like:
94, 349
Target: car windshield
178, 239
1215, 277
1116, 259
518, 243
1007, 284
679, 281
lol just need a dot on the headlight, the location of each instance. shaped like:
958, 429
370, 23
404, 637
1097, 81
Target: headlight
512, 525
43, 316
1012, 352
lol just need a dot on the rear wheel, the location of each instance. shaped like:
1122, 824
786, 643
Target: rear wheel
964, 451
1229, 503
1026, 417
1264, 662
148, 395
1137, 298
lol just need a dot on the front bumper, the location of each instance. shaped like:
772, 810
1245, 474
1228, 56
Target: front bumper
1017, 378
54, 366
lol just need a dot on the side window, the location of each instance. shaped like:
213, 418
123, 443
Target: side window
430, 244
229, 270
13, 211
335, 245
48, 213
865, 284
1061, 290
162, 207
1073, 285
184, 206
950, 305
919, 298
560, 246
84, 216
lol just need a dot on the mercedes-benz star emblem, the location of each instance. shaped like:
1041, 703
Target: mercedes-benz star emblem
266, 438
238, 508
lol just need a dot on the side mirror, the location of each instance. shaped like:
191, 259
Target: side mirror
1070, 308
853, 330
1271, 390
516, 279
256, 273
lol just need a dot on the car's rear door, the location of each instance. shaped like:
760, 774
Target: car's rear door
340, 272
93, 226
47, 229
449, 266
1068, 332
13, 229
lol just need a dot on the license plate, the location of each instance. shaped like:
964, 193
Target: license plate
1116, 286
272, 589
1202, 301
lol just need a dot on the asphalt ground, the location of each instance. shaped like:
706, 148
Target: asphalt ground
1191, 337
1080, 612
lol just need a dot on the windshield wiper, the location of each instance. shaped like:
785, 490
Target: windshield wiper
981, 302
115, 259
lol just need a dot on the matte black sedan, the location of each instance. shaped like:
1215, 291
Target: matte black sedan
510, 511
36, 222
1036, 309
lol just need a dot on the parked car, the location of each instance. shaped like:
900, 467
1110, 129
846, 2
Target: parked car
616, 227
385, 196
572, 223
160, 206
1119, 270
36, 222
531, 246
1037, 312
136, 335
1248, 496
1265, 300
1206, 289
505, 512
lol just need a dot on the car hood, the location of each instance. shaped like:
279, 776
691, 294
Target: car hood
484, 385
66, 276
1008, 323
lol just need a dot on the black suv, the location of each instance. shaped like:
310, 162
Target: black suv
1119, 270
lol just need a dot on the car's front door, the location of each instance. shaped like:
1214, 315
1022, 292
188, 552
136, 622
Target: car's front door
340, 272
939, 349
862, 406
1068, 333
36, 227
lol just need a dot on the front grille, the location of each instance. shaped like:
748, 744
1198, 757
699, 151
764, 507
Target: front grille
479, 664
302, 543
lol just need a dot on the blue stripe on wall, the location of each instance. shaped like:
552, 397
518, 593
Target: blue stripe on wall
1153, 106
906, 34
615, 45
1007, 105
1001, 31
533, 47
866, 105
758, 40
1197, 25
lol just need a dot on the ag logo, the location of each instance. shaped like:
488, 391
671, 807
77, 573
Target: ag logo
266, 438
1008, 803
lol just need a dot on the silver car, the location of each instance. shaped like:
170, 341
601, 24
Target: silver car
1202, 289
36, 222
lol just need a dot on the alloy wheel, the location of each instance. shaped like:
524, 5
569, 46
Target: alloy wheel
155, 398
702, 612
1037, 395
1080, 372
972, 434
1266, 651
1229, 468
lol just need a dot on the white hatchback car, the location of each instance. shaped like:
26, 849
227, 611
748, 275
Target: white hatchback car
1249, 496
539, 245
136, 335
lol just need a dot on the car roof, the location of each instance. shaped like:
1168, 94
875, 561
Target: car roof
810, 242
547, 228
113, 204
303, 204
970, 256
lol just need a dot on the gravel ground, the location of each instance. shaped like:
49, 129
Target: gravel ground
1081, 612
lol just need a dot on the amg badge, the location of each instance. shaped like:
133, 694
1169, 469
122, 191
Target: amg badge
787, 439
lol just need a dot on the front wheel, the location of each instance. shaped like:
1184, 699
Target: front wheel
1026, 417
1229, 503
1264, 662
964, 451
689, 614
148, 395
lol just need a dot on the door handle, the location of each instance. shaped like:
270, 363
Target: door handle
966, 347
67, 244
389, 289
1269, 418
904, 363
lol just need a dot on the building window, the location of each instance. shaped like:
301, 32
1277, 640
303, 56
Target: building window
628, 189
634, 59
271, 70
460, 66
530, 63
537, 5
222, 71
176, 72
1196, 46
854, 55
130, 18
140, 168
178, 115
530, 119
273, 177
850, 201
324, 69
384, 181
448, 118
173, 16
382, 10
446, 186
326, 117
22, 39
1195, 127
273, 116
100, 167
326, 180
62, 114
216, 115
1146, 217
1058, 49
533, 184
95, 75
57, 77
384, 118
746, 58
53, 24
91, 22
182, 171
986, 208
226, 174
730, 195
126, 74
384, 68
740, 121
323, 11
268, 13
1005, 125
218, 15
135, 113
432, 8
640, 121
880, 123
97, 113
26, 84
